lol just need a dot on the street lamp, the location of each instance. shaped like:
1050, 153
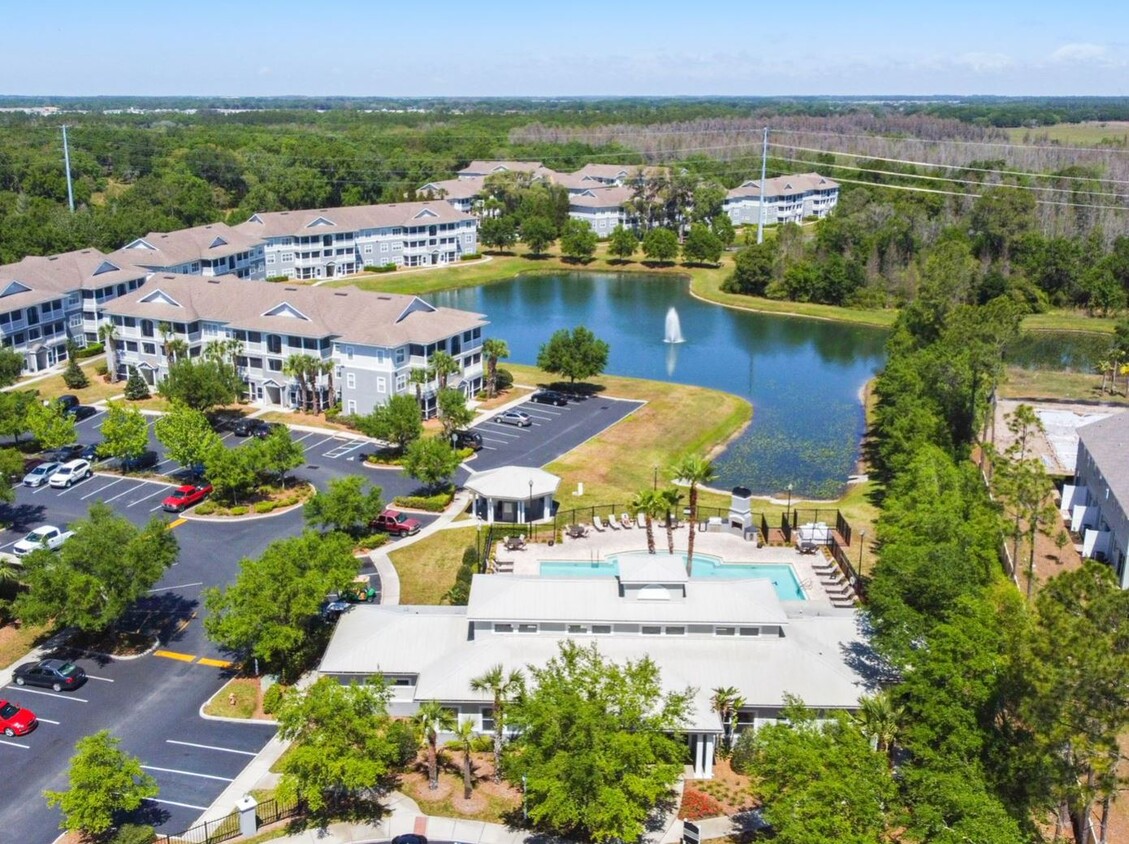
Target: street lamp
656, 486
524, 814
789, 510
529, 515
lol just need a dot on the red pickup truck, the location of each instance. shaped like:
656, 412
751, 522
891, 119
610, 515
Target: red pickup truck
396, 523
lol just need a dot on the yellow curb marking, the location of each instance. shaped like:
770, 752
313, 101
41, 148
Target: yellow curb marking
215, 663
175, 655
175, 523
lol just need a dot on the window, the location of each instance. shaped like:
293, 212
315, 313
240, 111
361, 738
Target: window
750, 631
601, 629
487, 719
725, 631
578, 628
675, 631
270, 258
400, 355
351, 381
255, 363
382, 385
76, 320
348, 353
149, 348
401, 383
527, 628
274, 364
274, 344
287, 257
368, 248
383, 247
503, 628
651, 630
351, 408
131, 345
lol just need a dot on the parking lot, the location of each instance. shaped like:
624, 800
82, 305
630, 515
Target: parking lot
554, 431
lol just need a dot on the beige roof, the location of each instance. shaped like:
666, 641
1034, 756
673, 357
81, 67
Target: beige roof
574, 181
455, 188
783, 186
350, 218
169, 249
602, 197
345, 313
38, 279
619, 171
486, 167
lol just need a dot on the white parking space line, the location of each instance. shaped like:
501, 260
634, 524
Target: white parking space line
106, 486
146, 498
99, 679
178, 586
211, 747
9, 545
319, 442
122, 494
496, 433
164, 802
342, 450
304, 437
49, 721
74, 486
186, 773
13, 744
24, 690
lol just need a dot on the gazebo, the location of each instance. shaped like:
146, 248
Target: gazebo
513, 494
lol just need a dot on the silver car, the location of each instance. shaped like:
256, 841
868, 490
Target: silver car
515, 417
39, 475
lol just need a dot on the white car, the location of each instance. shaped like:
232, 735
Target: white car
46, 537
70, 472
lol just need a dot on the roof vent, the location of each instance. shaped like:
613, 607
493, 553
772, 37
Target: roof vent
340, 294
385, 298
213, 281
290, 288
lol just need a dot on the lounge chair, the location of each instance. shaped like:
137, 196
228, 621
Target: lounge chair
598, 523
641, 520
625, 520
613, 522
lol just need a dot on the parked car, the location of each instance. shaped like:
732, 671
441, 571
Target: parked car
39, 474
71, 472
90, 452
56, 674
185, 496
68, 452
254, 428
15, 720
467, 439
514, 417
396, 523
144, 460
68, 404
549, 397
44, 536
409, 838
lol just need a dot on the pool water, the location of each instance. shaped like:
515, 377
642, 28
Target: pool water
706, 567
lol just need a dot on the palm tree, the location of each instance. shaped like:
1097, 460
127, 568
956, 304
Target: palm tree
298, 367
693, 470
464, 737
878, 719
419, 376
431, 720
328, 368
671, 499
726, 701
493, 350
503, 687
108, 335
650, 504
444, 365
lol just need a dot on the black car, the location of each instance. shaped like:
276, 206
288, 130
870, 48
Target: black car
90, 452
68, 453
467, 439
254, 428
56, 674
68, 404
549, 397
409, 838
145, 460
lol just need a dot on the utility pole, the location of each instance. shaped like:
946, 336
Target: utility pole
67, 163
764, 160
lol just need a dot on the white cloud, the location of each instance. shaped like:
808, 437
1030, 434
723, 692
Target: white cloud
1080, 54
984, 62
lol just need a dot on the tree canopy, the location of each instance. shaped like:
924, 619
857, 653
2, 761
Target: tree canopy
576, 354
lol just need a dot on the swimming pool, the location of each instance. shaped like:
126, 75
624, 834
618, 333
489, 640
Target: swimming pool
706, 567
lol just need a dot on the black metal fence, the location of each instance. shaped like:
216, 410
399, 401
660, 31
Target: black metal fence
267, 812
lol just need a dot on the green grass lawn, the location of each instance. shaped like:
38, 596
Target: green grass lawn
1064, 386
427, 568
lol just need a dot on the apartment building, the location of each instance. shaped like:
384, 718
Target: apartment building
1098, 500
602, 208
460, 194
210, 250
482, 169
46, 300
331, 242
374, 341
787, 199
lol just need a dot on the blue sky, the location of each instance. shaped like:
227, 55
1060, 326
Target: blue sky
488, 48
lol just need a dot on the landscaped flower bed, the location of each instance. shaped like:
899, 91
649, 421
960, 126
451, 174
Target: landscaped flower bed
265, 500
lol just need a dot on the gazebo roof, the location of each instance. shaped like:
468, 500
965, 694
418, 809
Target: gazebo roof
512, 483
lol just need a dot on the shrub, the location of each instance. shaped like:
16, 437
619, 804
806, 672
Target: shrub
505, 379
204, 508
102, 369
264, 506
278, 278
470, 256
238, 510
403, 735
73, 375
429, 503
744, 752
696, 805
382, 268
135, 388
374, 540
89, 351
133, 833
272, 697
333, 412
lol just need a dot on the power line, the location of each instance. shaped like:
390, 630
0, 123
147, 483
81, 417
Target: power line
960, 142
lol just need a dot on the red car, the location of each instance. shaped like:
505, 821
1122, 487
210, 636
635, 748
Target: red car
15, 720
396, 523
185, 496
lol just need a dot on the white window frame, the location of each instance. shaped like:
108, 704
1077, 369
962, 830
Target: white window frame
351, 407
381, 384
350, 380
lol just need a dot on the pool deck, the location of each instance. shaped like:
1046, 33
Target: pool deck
730, 547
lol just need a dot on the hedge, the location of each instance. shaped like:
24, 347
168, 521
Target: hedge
90, 351
278, 278
470, 256
383, 268
430, 504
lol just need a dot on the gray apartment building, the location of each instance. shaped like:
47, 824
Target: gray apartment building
787, 199
331, 242
374, 341
44, 300
1101, 492
208, 250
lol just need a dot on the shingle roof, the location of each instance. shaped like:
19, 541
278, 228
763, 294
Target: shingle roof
782, 186
620, 171
347, 313
170, 249
455, 188
602, 197
480, 167
1107, 441
49, 277
350, 218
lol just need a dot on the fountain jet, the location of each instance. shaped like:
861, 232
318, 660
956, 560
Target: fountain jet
673, 328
